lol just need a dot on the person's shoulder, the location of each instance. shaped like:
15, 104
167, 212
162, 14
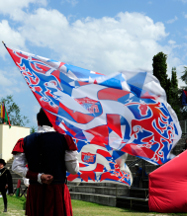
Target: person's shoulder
7, 170
19, 146
31, 135
53, 133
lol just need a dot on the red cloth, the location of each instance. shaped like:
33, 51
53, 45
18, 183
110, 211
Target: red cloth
48, 200
70, 142
18, 148
32, 175
168, 186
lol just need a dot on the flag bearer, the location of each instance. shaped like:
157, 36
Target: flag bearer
48, 154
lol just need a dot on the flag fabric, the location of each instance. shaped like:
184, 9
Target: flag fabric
4, 115
2, 105
126, 111
184, 98
168, 187
98, 164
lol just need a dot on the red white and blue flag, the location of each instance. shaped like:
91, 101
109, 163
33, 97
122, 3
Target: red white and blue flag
98, 164
125, 111
184, 97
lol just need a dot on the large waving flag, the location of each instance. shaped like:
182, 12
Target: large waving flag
98, 164
126, 111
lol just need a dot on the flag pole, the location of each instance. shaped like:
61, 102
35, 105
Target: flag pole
4, 44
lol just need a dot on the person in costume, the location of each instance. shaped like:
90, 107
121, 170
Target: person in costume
49, 155
5, 182
139, 174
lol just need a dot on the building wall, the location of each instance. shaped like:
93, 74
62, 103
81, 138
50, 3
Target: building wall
9, 137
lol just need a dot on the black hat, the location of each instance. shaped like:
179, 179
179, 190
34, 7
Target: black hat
43, 119
2, 162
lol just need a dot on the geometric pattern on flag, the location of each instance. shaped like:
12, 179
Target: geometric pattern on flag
127, 111
98, 164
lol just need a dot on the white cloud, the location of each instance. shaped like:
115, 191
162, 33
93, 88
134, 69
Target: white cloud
172, 42
4, 81
9, 82
184, 1
72, 2
9, 36
172, 20
15, 8
128, 41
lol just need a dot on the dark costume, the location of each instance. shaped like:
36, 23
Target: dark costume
139, 174
5, 179
45, 153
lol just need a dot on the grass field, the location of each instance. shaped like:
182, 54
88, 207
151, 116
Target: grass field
80, 208
15, 206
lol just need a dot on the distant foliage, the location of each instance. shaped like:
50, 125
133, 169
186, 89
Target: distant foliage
175, 93
183, 109
33, 130
14, 112
160, 71
184, 76
170, 86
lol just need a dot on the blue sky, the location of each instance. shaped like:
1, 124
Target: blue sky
101, 35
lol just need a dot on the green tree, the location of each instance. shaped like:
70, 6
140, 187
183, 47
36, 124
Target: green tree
160, 71
175, 93
33, 129
174, 80
183, 109
184, 76
14, 112
160, 68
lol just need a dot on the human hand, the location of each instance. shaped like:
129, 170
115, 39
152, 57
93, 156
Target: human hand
6, 186
46, 178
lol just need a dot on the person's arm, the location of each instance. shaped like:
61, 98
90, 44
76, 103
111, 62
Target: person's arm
19, 167
9, 182
19, 164
71, 162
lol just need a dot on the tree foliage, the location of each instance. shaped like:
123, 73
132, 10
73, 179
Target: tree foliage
160, 68
33, 129
170, 86
175, 100
184, 76
14, 112
160, 71
174, 80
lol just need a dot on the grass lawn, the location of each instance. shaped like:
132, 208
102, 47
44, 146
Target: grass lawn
15, 206
80, 208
